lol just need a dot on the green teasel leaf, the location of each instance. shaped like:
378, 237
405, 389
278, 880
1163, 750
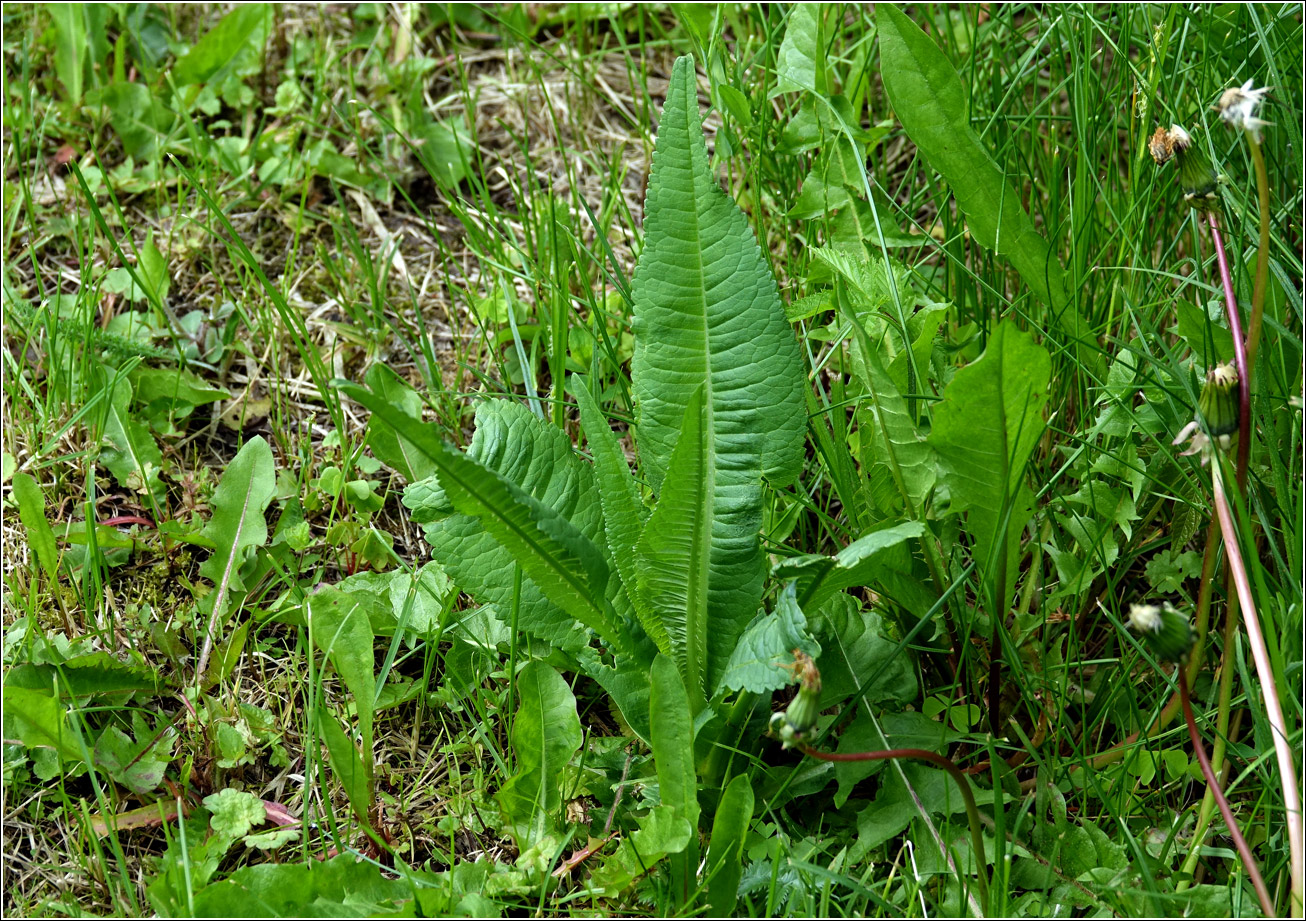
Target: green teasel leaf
725, 853
708, 314
767, 646
549, 524
928, 97
624, 514
818, 577
672, 739
699, 565
985, 431
546, 733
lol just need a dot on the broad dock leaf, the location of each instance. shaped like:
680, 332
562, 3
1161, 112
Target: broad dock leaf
708, 313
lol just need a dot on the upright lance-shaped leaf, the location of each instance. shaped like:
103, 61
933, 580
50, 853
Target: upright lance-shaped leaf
725, 854
707, 313
623, 512
699, 567
672, 740
237, 527
342, 630
929, 100
984, 432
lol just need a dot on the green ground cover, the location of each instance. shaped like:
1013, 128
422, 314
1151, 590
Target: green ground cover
656, 460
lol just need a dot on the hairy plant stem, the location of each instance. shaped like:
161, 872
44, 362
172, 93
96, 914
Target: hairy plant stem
1269, 688
1262, 253
1213, 787
972, 811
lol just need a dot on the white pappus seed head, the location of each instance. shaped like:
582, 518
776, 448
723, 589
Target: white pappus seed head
1237, 108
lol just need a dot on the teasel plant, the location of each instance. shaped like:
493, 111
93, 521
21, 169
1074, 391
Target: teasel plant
1224, 409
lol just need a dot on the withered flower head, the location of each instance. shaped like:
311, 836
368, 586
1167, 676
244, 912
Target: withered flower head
1196, 175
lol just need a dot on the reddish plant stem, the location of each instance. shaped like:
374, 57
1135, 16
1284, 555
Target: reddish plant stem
1249, 861
972, 811
1239, 353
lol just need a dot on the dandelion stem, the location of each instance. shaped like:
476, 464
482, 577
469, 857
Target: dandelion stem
1269, 689
1239, 352
1262, 253
1213, 785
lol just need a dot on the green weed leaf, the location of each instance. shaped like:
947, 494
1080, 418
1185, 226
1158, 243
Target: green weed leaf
929, 100
661, 832
40, 536
985, 431
389, 446
624, 514
131, 455
672, 739
818, 577
38, 720
547, 524
234, 812
342, 629
725, 853
800, 62
237, 527
139, 117
342, 887
351, 768
232, 47
546, 734
757, 664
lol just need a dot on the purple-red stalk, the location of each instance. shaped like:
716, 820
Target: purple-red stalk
972, 811
1249, 861
1239, 354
